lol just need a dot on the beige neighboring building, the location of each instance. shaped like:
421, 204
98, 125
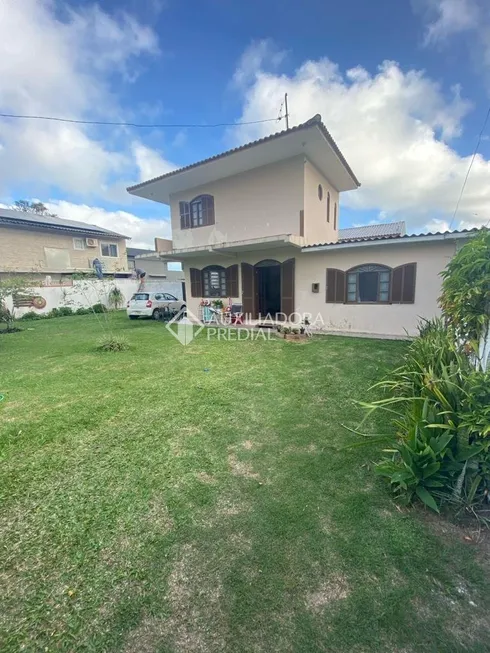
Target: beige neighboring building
52, 247
259, 226
153, 264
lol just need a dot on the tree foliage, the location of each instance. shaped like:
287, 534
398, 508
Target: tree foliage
33, 207
465, 299
9, 287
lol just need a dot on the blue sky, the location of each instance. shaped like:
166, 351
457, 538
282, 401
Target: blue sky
402, 86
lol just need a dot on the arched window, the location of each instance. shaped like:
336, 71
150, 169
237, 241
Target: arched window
328, 207
335, 216
214, 281
197, 213
368, 284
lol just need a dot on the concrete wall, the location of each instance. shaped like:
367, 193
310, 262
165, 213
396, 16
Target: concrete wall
25, 251
317, 229
86, 293
158, 267
374, 319
262, 202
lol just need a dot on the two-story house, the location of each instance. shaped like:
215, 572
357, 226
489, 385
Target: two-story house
53, 247
259, 225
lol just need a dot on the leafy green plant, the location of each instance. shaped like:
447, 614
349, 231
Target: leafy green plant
55, 312
440, 408
113, 343
83, 311
31, 315
64, 311
115, 297
99, 308
465, 298
217, 303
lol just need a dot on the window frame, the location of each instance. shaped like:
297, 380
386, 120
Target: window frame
199, 212
82, 240
109, 245
206, 281
357, 270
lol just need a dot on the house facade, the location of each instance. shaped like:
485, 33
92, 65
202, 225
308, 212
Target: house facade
259, 226
53, 247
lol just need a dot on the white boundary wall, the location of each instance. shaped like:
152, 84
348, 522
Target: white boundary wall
83, 294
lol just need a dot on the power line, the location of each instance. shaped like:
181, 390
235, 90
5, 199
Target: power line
134, 124
469, 168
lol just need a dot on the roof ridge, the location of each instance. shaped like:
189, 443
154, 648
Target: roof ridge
316, 120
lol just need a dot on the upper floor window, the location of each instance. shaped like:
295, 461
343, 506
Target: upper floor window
328, 206
197, 213
109, 249
79, 243
214, 281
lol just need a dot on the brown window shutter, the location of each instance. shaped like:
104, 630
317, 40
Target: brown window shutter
408, 292
335, 286
210, 209
403, 284
232, 281
287, 286
196, 282
182, 206
301, 223
248, 290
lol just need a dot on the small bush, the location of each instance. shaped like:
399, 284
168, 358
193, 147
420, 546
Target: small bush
83, 311
99, 308
65, 311
31, 315
113, 343
54, 312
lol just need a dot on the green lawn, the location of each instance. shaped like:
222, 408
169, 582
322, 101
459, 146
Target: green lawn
202, 499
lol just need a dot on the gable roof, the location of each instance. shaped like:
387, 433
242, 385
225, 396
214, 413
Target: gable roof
9, 217
372, 231
320, 137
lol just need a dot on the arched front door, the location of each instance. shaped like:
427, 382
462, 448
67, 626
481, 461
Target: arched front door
268, 288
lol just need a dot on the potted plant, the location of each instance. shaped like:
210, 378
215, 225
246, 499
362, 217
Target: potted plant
217, 304
292, 333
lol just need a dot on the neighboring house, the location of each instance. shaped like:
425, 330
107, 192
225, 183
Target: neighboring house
155, 267
54, 247
260, 225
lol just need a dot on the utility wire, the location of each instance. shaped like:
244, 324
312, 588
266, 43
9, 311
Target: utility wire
133, 124
469, 168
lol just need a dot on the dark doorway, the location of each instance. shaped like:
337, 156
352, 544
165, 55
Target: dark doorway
268, 287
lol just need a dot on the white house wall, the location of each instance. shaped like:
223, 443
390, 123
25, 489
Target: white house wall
374, 319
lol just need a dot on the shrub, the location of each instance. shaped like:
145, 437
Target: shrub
65, 311
442, 406
31, 315
113, 343
115, 297
99, 308
83, 311
54, 312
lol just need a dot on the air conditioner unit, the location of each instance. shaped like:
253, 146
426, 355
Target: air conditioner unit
91, 242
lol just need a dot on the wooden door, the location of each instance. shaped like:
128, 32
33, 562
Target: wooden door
287, 287
248, 290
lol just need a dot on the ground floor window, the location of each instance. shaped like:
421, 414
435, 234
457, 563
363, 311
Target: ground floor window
368, 283
214, 281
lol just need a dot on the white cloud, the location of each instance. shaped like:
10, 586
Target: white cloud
150, 163
257, 55
60, 61
448, 17
394, 127
141, 231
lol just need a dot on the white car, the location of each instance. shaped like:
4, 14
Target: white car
153, 304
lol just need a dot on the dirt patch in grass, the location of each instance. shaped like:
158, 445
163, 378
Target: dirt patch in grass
204, 477
196, 622
240, 468
333, 589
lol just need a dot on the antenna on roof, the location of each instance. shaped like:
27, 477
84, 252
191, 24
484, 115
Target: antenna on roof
287, 113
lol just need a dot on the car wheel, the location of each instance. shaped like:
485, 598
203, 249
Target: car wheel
133, 317
183, 310
156, 314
